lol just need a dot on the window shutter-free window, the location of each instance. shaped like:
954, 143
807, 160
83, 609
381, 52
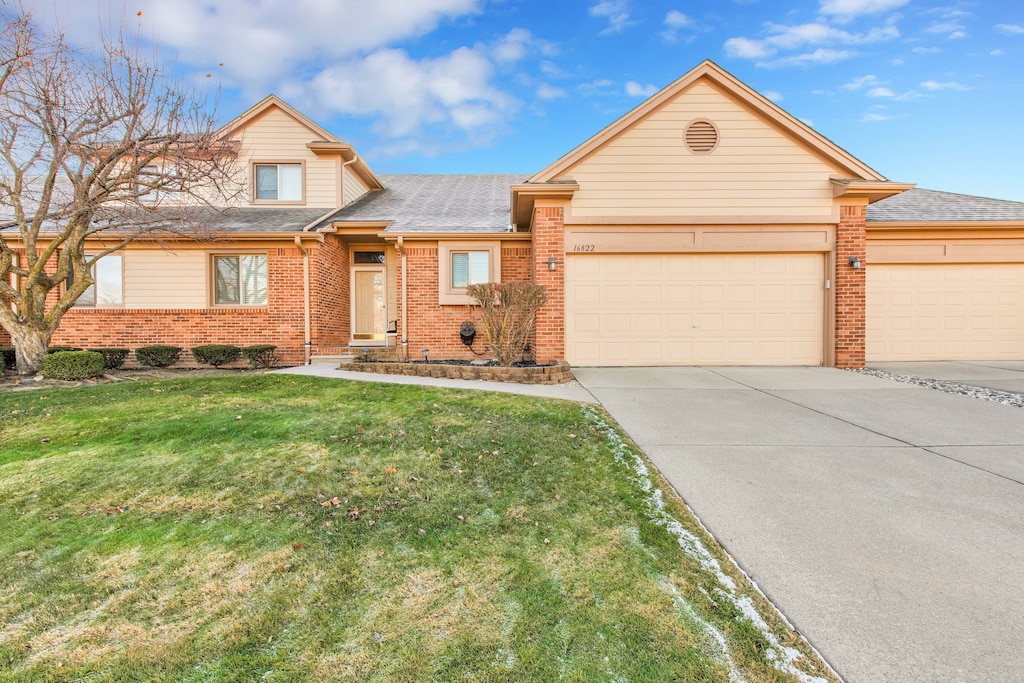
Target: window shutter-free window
470, 268
107, 286
281, 182
240, 280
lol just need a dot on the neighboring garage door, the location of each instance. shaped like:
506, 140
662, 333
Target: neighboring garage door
695, 309
945, 311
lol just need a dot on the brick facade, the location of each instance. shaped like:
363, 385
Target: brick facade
549, 241
280, 322
850, 287
436, 327
330, 293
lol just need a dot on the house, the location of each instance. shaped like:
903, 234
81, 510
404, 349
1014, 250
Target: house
706, 226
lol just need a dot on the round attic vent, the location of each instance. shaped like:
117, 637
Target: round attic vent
701, 137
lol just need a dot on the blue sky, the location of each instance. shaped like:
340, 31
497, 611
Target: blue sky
925, 92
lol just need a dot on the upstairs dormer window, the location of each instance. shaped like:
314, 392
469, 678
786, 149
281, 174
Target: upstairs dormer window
278, 182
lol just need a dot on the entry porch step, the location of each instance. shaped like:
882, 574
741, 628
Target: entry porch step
348, 354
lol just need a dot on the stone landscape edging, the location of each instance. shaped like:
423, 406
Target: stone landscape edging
559, 373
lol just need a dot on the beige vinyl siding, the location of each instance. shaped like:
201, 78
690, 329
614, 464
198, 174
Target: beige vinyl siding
755, 170
164, 279
354, 186
274, 136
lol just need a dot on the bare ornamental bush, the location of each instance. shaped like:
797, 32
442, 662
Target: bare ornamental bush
508, 313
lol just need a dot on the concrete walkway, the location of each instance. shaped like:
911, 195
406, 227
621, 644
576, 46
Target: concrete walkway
569, 392
886, 520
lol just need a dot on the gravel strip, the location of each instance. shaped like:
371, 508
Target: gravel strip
1007, 398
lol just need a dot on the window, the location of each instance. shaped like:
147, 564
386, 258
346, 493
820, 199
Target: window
470, 268
107, 288
240, 280
461, 264
279, 182
156, 184
368, 257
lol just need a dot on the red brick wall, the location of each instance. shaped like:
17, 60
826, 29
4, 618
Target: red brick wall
280, 322
548, 241
850, 287
330, 293
436, 327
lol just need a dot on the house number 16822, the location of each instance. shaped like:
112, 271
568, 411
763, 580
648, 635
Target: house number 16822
583, 247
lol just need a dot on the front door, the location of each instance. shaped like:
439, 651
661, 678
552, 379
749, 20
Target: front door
369, 304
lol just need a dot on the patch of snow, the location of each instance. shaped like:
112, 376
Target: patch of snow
782, 658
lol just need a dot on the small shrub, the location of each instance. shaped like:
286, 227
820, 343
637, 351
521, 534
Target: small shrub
157, 356
63, 349
112, 358
508, 314
8, 358
261, 356
71, 365
216, 354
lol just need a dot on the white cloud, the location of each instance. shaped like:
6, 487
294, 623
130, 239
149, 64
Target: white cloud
549, 92
809, 122
404, 94
825, 38
676, 19
947, 85
926, 50
615, 11
952, 28
957, 34
600, 86
1010, 29
634, 89
745, 48
875, 116
819, 56
861, 82
995, 53
773, 95
853, 8
880, 92
518, 44
897, 61
259, 42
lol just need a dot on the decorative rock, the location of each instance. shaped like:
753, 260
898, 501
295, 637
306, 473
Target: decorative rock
1007, 398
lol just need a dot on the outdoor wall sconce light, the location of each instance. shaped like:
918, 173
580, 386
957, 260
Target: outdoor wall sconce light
855, 263
366, 355
552, 263
426, 355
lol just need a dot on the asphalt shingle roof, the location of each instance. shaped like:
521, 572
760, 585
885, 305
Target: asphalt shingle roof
933, 205
437, 203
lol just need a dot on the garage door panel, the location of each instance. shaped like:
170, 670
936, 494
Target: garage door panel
945, 311
734, 309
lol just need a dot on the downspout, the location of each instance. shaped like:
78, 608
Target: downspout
308, 341
405, 301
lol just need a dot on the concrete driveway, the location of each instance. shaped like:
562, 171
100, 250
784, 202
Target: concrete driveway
886, 520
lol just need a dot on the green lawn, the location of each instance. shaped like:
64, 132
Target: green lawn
279, 528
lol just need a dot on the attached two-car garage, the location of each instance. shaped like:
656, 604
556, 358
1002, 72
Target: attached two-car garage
695, 309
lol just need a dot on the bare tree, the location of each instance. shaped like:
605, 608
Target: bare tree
98, 147
508, 313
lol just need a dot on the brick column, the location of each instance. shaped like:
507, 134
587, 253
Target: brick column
850, 287
549, 240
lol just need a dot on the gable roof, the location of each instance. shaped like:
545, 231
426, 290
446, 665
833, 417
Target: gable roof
266, 103
434, 203
734, 87
928, 206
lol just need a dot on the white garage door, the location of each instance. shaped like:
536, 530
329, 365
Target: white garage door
945, 312
695, 309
